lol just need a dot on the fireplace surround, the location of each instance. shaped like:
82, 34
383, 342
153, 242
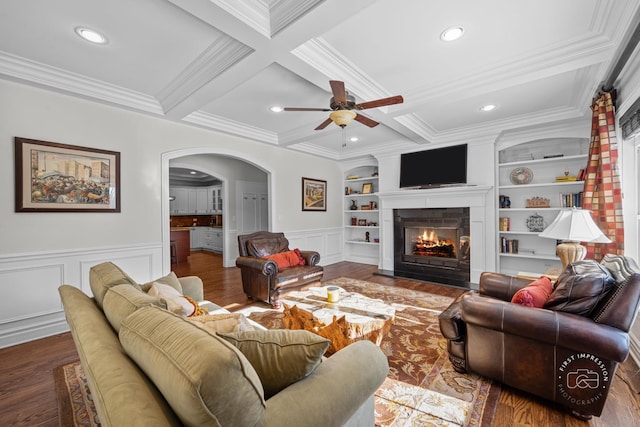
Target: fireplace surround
481, 222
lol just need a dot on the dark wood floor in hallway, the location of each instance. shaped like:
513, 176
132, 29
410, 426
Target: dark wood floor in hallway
27, 392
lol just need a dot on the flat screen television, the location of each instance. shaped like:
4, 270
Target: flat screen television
434, 168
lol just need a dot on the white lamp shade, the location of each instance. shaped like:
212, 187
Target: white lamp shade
574, 225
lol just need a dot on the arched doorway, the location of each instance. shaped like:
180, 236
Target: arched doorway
201, 159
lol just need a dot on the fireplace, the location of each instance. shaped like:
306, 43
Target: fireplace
433, 244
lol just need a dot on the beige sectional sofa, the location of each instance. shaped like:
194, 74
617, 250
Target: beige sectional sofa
147, 366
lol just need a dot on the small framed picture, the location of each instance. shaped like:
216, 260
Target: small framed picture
314, 194
362, 222
367, 188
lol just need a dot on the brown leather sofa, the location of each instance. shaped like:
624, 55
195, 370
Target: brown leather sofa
564, 357
261, 277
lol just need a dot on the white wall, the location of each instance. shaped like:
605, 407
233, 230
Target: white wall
40, 251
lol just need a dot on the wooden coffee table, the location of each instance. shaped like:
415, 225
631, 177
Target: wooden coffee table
353, 317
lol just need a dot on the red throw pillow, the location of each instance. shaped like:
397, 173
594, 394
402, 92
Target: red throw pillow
301, 259
535, 294
287, 259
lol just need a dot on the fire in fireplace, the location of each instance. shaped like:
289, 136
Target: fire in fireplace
433, 244
429, 243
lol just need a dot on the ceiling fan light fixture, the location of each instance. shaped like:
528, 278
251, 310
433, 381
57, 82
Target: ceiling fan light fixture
90, 35
451, 34
342, 117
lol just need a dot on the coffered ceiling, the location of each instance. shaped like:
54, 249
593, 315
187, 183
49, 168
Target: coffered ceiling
220, 64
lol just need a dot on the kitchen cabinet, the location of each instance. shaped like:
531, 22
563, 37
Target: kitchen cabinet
215, 198
180, 203
195, 200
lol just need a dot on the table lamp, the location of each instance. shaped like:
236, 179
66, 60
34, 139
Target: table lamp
573, 226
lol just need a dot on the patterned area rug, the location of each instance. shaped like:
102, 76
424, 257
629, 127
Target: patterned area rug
75, 406
422, 388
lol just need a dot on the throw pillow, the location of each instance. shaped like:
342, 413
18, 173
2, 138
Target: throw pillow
280, 357
175, 302
122, 300
621, 267
287, 259
170, 279
300, 257
580, 287
105, 275
205, 379
223, 323
535, 294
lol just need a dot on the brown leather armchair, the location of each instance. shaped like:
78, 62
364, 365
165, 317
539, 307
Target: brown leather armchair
566, 358
261, 278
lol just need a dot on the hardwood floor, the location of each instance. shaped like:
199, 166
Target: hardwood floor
27, 392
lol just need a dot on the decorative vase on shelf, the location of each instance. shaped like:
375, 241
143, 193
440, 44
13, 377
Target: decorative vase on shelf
354, 206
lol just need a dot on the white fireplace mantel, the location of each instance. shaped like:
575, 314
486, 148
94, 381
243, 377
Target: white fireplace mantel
482, 223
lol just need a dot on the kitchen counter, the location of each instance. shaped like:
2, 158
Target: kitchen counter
181, 235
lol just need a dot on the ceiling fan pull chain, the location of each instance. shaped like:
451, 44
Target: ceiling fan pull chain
344, 136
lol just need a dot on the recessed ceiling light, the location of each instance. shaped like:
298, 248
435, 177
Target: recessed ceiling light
451, 34
91, 35
193, 172
353, 139
276, 109
487, 107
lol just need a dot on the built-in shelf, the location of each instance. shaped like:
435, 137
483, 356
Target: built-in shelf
569, 157
361, 242
356, 248
531, 256
543, 161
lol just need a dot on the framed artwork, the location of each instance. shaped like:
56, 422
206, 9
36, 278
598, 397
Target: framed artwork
54, 177
314, 194
367, 188
362, 222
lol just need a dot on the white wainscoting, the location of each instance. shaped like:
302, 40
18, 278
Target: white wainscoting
30, 306
327, 242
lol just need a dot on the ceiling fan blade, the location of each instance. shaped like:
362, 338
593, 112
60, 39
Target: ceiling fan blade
366, 121
324, 124
305, 109
339, 93
380, 102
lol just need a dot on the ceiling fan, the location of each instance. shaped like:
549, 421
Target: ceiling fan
342, 106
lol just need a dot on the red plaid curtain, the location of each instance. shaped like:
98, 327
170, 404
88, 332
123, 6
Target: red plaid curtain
602, 192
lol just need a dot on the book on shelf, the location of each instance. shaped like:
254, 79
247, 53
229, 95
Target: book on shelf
571, 200
508, 246
566, 178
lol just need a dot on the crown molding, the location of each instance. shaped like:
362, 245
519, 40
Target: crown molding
217, 58
417, 125
255, 14
68, 82
231, 127
286, 12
